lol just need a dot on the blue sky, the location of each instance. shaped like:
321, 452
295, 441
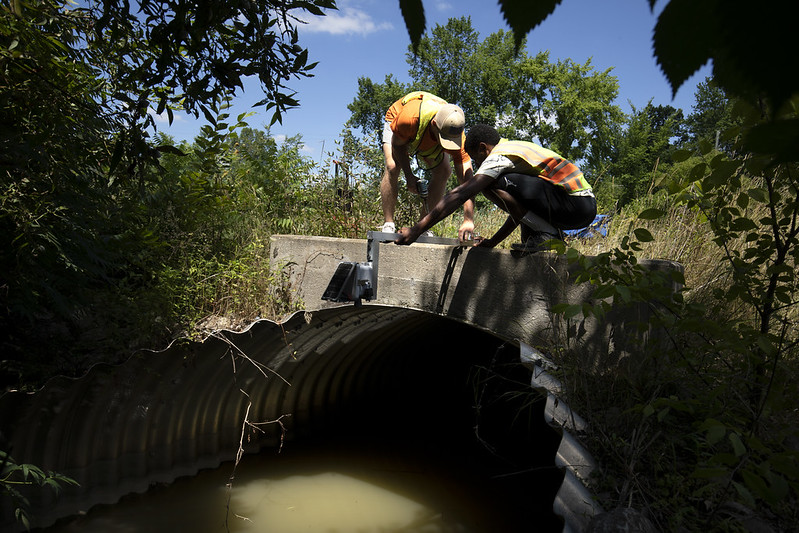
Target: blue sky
368, 38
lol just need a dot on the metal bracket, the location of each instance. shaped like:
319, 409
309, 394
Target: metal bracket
354, 282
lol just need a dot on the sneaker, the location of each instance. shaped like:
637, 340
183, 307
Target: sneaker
535, 242
389, 227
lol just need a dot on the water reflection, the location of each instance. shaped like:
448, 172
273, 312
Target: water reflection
305, 490
330, 502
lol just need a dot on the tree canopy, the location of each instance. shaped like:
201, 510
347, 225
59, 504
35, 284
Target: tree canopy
687, 36
80, 84
565, 105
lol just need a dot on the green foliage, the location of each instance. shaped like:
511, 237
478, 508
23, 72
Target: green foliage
716, 28
86, 212
193, 54
368, 109
578, 119
707, 388
444, 64
712, 114
565, 105
15, 478
643, 154
522, 17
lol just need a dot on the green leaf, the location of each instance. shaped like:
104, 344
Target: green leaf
119, 148
651, 214
559, 308
737, 445
710, 472
779, 487
678, 56
714, 430
742, 224
742, 201
779, 137
787, 464
756, 485
522, 15
169, 149
413, 14
572, 311
603, 291
698, 171
624, 293
643, 235
744, 493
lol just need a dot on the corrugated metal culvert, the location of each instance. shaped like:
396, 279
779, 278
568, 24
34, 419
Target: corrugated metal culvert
419, 379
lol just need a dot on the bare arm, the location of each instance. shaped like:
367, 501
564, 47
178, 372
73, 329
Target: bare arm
501, 234
465, 174
510, 205
456, 197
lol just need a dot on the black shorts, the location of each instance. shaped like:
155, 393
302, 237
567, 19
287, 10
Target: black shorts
549, 201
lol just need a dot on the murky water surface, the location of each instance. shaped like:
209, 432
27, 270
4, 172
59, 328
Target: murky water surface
322, 488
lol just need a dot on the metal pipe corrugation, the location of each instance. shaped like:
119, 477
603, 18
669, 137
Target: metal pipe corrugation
162, 415
573, 501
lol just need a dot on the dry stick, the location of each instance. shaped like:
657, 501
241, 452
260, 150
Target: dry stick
259, 366
240, 454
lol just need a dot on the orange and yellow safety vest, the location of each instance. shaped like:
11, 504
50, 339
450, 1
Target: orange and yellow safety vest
427, 111
545, 163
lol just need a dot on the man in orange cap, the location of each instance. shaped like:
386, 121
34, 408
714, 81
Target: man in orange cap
428, 127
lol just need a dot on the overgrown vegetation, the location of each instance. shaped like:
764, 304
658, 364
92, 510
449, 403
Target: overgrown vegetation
697, 425
114, 240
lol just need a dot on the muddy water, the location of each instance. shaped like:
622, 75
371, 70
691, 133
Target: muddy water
321, 488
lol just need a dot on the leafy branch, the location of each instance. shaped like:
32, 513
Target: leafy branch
14, 476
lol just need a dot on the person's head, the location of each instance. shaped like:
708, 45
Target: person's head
449, 124
479, 142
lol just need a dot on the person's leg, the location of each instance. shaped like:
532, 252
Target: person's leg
540, 201
438, 182
388, 184
389, 181
550, 202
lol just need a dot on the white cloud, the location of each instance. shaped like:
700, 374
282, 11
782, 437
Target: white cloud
442, 6
163, 118
346, 21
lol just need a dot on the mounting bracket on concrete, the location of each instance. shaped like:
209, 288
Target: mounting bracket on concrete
354, 282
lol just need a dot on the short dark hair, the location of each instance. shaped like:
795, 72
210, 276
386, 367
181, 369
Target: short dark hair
480, 133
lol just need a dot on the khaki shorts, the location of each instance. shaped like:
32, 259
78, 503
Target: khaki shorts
387, 133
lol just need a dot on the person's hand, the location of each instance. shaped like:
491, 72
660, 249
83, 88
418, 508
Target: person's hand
482, 242
412, 181
406, 237
466, 231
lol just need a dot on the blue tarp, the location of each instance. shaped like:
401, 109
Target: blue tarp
597, 228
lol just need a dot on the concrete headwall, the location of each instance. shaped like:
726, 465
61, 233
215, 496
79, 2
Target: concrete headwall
500, 291
495, 290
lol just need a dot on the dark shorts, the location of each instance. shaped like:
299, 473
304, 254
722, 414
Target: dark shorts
549, 201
